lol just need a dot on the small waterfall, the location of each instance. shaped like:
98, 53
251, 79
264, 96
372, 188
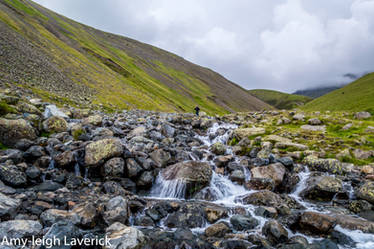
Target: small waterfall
363, 240
51, 166
77, 170
86, 173
347, 186
168, 188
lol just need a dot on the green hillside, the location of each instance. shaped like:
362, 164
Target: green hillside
280, 100
356, 96
65, 61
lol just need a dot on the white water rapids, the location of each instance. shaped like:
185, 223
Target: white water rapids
227, 192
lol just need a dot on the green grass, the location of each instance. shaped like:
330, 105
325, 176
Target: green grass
280, 100
5, 108
357, 96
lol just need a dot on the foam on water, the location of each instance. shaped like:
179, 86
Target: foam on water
363, 240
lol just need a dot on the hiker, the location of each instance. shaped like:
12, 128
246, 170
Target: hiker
197, 110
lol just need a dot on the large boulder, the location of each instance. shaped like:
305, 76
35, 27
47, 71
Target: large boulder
322, 188
316, 223
241, 133
217, 230
366, 191
196, 175
274, 172
353, 223
20, 229
97, 152
242, 222
8, 206
332, 166
124, 237
55, 124
93, 120
11, 131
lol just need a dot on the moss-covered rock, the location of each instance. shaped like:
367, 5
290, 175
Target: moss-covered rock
248, 132
55, 124
332, 166
97, 152
11, 131
366, 192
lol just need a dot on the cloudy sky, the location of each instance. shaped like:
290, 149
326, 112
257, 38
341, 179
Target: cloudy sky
276, 44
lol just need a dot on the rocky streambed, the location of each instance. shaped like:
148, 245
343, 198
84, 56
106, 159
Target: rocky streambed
158, 180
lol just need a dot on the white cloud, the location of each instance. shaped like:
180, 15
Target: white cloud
279, 44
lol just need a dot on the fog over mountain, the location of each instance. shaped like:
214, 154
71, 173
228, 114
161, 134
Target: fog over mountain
279, 44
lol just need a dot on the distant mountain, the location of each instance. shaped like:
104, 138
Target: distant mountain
316, 92
280, 100
64, 61
356, 96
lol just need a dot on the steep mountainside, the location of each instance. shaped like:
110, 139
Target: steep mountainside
280, 100
356, 96
62, 60
317, 92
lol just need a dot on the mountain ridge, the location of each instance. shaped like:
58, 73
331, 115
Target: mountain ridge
57, 57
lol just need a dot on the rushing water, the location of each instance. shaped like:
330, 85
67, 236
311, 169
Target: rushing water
228, 193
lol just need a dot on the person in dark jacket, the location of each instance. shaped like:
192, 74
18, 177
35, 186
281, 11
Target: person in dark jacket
197, 110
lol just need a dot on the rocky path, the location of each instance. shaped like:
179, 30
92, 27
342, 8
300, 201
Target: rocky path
158, 180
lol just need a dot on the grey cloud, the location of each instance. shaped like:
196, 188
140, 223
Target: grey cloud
277, 44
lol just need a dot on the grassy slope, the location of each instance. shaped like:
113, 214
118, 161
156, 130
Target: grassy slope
357, 96
63, 60
280, 100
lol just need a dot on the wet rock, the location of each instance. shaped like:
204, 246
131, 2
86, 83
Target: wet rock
358, 206
316, 223
323, 244
133, 168
235, 244
114, 167
241, 133
97, 152
321, 128
366, 192
11, 131
267, 212
12, 176
34, 151
260, 184
362, 115
55, 124
116, 210
352, 223
332, 166
114, 188
263, 198
296, 242
65, 158
16, 156
160, 157
189, 215
8, 206
145, 180
275, 232
213, 213
218, 148
128, 184
20, 229
124, 237
237, 176
196, 175
217, 230
241, 222
322, 188
274, 172
286, 161
342, 239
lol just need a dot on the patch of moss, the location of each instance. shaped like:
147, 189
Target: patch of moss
3, 147
5, 108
